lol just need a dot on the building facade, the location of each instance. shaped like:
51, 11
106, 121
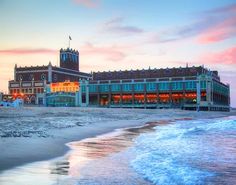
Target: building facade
30, 82
62, 94
187, 88
192, 88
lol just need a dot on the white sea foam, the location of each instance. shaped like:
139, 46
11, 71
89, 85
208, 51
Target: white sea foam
187, 152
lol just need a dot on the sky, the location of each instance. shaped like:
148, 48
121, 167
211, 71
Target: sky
120, 34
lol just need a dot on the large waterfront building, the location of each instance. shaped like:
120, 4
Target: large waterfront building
30, 82
184, 87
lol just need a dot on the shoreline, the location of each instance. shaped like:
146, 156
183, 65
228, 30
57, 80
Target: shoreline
82, 154
19, 151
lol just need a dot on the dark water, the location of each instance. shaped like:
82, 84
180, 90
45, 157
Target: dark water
182, 152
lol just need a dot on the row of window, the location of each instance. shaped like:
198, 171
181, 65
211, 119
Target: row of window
65, 89
31, 77
151, 86
220, 89
61, 101
27, 91
71, 57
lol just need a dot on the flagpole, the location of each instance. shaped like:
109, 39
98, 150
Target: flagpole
69, 40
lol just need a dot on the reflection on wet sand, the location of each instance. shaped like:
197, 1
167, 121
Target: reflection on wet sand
94, 148
67, 170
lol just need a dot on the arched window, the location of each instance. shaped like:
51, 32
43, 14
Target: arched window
43, 76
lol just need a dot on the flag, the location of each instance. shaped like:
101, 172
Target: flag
70, 38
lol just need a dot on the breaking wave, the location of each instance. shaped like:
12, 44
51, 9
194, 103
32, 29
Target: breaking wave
188, 152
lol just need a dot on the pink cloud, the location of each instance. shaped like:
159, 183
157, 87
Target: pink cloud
210, 26
113, 53
220, 31
88, 3
25, 51
227, 57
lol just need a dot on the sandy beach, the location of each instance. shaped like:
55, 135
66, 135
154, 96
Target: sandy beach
38, 134
34, 134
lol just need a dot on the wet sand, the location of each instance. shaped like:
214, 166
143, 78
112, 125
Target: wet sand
104, 158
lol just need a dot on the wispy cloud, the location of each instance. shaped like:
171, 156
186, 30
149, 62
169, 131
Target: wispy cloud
27, 51
224, 26
117, 26
223, 10
88, 3
113, 53
226, 57
211, 26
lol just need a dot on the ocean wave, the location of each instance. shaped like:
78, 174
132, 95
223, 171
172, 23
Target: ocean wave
187, 152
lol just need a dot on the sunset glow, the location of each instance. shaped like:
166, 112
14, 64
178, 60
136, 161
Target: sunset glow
119, 35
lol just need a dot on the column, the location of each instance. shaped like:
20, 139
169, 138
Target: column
77, 94
198, 94
157, 92
80, 93
132, 92
121, 93
87, 93
208, 93
145, 94
109, 93
98, 94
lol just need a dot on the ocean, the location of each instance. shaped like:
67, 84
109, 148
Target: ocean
188, 152
201, 151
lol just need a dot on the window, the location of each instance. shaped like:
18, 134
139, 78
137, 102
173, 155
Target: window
163, 86
138, 87
55, 77
177, 85
151, 86
115, 87
92, 88
203, 84
20, 77
127, 87
43, 76
31, 77
104, 88
191, 85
